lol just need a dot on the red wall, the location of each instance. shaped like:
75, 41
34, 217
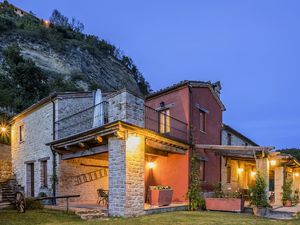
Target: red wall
171, 171
205, 99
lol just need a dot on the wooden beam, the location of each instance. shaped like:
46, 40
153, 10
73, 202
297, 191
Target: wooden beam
164, 147
156, 152
82, 164
88, 152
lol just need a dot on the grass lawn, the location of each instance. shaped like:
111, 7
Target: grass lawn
33, 217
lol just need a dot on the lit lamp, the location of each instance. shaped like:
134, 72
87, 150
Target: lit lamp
296, 174
253, 173
151, 165
3, 129
273, 162
240, 170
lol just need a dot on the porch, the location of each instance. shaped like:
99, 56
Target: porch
239, 165
124, 160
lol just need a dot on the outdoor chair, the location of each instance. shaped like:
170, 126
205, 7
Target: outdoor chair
102, 197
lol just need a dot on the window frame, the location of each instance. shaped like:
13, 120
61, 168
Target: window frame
164, 121
202, 176
44, 173
202, 119
21, 133
229, 139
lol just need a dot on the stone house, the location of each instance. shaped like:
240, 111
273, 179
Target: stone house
60, 137
231, 136
78, 143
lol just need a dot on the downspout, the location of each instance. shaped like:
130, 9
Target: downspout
191, 144
53, 153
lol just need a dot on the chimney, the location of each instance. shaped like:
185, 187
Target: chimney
217, 87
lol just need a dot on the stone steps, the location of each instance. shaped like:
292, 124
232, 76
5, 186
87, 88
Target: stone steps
4, 205
87, 214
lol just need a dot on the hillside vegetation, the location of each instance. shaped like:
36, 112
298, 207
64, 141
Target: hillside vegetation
38, 57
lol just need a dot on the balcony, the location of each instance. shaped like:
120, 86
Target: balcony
81, 121
99, 115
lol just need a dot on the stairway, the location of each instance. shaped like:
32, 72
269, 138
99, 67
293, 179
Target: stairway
7, 192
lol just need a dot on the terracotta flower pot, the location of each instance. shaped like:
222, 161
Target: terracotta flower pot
260, 211
288, 203
161, 197
225, 204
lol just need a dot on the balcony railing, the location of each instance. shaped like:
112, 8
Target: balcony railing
84, 120
165, 124
97, 116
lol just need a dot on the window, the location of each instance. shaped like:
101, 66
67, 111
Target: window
164, 121
229, 137
202, 170
21, 132
229, 174
202, 123
44, 174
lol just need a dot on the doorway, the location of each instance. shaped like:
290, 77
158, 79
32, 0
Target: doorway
30, 179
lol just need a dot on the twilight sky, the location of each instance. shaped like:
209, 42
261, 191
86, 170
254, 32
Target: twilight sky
251, 46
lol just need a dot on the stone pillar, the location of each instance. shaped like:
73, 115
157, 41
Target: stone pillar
279, 180
262, 165
126, 176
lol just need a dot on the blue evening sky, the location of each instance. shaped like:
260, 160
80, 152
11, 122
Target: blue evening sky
251, 46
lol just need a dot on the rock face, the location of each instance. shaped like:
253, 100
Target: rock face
101, 70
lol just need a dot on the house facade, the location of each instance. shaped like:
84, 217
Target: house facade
198, 104
123, 144
69, 143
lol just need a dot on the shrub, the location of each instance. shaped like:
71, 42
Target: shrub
33, 204
258, 195
287, 191
6, 24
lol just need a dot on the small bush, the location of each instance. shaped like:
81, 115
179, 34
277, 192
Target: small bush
33, 204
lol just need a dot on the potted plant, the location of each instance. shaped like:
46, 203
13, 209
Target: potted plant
258, 196
287, 193
160, 195
230, 200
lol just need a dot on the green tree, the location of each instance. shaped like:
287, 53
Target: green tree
258, 194
287, 191
27, 82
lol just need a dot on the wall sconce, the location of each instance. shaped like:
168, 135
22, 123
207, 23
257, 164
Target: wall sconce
273, 162
296, 174
151, 165
3, 129
240, 170
253, 173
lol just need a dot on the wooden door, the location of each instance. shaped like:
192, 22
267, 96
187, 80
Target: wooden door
30, 179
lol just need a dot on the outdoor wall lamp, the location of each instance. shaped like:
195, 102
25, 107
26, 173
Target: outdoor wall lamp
296, 174
240, 170
273, 162
151, 165
253, 173
3, 130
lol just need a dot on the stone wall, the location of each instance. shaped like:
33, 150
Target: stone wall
239, 178
5, 162
126, 107
69, 169
70, 105
235, 140
126, 176
37, 132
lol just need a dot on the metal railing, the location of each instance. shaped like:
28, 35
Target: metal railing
84, 120
164, 124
